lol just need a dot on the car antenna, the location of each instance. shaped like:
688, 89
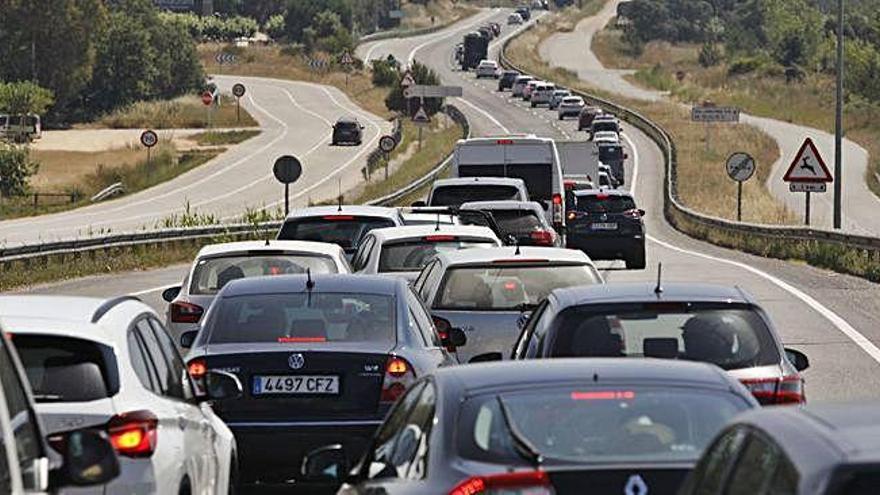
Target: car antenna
310, 284
659, 288
437, 226
267, 241
339, 197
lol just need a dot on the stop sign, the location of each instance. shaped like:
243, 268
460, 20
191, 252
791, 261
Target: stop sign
207, 98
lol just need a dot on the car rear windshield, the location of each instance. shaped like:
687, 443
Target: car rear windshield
344, 230
504, 286
346, 125
596, 424
302, 318
211, 274
605, 204
730, 338
456, 195
412, 256
610, 153
517, 221
64, 369
604, 125
538, 177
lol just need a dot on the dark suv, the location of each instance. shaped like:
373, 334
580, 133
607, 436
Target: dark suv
606, 224
506, 79
348, 130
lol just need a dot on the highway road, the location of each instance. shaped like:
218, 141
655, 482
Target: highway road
573, 51
833, 318
296, 118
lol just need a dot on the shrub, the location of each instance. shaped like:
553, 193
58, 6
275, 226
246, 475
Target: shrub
745, 65
385, 73
710, 55
16, 168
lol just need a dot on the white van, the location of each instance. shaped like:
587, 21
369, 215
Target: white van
533, 159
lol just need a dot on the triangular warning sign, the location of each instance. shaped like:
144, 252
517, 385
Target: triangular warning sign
421, 116
808, 166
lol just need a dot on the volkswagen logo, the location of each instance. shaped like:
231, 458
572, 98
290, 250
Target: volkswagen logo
296, 361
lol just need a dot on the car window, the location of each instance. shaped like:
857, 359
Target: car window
212, 273
709, 475
862, 480
382, 449
21, 416
361, 256
529, 329
430, 281
422, 320
64, 369
786, 478
754, 468
145, 372
344, 230
5, 475
411, 255
604, 203
169, 383
420, 280
458, 194
517, 221
172, 357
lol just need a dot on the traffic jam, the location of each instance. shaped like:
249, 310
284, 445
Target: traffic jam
466, 344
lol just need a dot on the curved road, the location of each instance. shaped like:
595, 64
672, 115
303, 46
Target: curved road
295, 118
833, 318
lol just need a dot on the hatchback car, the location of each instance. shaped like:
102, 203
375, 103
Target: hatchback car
605, 123
519, 84
541, 94
606, 224
570, 106
586, 117
110, 365
514, 19
507, 79
556, 98
605, 138
530, 86
322, 358
487, 68
347, 130
344, 225
485, 292
828, 449
215, 265
616, 427
721, 325
519, 222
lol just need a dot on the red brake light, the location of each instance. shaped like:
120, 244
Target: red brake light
300, 340
601, 196
338, 217
537, 483
542, 237
442, 325
184, 312
557, 199
134, 434
604, 395
399, 375
770, 391
504, 141
568, 184
439, 238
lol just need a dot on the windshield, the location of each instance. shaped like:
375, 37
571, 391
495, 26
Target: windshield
538, 177
610, 153
728, 338
603, 125
347, 126
517, 221
298, 318
508, 287
605, 204
412, 256
344, 230
63, 369
598, 424
211, 274
456, 195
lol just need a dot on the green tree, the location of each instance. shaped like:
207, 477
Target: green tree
421, 74
327, 34
22, 98
125, 68
301, 14
16, 168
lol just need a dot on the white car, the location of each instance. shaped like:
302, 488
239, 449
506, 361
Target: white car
519, 85
217, 264
488, 68
542, 94
570, 106
404, 251
607, 137
530, 86
514, 19
110, 365
557, 97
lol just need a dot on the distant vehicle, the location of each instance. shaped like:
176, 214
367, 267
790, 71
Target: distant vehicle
605, 124
404, 251
524, 12
21, 129
459, 52
815, 450
347, 130
509, 428
605, 180
586, 117
720, 325
507, 79
540, 5
541, 94
606, 224
530, 86
79, 458
486, 291
557, 97
426, 215
109, 365
344, 225
514, 19
454, 192
574, 183
215, 265
570, 106
496, 28
615, 157
486, 32
533, 159
323, 358
605, 138
523, 221
488, 68
476, 48
519, 84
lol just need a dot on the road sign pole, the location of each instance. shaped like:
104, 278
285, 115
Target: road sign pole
739, 201
286, 199
838, 120
238, 110
148, 157
386, 166
807, 209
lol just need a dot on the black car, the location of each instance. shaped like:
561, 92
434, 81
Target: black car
506, 79
524, 12
520, 223
721, 325
606, 224
322, 359
348, 130
817, 450
344, 225
512, 428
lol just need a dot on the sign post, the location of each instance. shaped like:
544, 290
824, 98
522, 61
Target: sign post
287, 170
808, 174
238, 91
149, 138
740, 167
387, 145
346, 62
406, 83
708, 113
208, 100
421, 119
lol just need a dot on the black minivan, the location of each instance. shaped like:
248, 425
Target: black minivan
348, 130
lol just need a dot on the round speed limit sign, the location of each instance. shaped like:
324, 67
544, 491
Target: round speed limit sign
387, 144
238, 90
149, 138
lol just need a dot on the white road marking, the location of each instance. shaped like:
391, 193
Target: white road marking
151, 289
486, 114
478, 19
369, 53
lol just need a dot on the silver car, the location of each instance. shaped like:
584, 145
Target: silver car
570, 106
557, 97
519, 84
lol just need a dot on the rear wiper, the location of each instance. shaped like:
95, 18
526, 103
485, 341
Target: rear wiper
522, 445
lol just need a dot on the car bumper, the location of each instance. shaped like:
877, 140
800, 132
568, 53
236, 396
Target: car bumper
569, 113
605, 246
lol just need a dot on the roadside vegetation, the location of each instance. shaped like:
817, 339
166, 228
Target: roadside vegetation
185, 112
435, 13
217, 138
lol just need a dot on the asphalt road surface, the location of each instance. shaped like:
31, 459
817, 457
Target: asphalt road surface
833, 318
296, 119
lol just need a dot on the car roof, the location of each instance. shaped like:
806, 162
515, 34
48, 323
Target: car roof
607, 192
369, 284
482, 377
469, 181
525, 77
325, 248
419, 231
502, 205
572, 98
358, 210
559, 90
488, 255
643, 292
347, 120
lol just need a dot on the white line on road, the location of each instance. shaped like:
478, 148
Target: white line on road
486, 114
443, 36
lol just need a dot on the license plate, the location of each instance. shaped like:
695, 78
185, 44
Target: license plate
604, 226
296, 384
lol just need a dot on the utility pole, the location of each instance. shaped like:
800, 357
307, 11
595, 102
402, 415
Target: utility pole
838, 121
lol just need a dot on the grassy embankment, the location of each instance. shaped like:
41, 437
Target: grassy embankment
434, 14
186, 112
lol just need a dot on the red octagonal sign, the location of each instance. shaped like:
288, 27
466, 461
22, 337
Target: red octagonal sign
207, 98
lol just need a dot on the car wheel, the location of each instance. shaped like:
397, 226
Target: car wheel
636, 259
534, 104
560, 117
185, 487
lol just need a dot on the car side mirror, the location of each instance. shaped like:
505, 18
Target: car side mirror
188, 338
222, 385
486, 357
419, 204
454, 337
89, 459
362, 127
171, 293
798, 359
641, 212
625, 155
510, 240
328, 464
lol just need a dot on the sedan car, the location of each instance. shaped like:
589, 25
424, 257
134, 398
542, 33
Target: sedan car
815, 450
404, 251
322, 357
514, 19
522, 221
586, 117
606, 224
570, 106
485, 292
110, 365
488, 68
556, 98
519, 84
347, 130
344, 225
721, 325
507, 79
541, 94
216, 265
616, 427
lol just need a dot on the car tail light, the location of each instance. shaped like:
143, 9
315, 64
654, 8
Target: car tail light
399, 375
633, 214
197, 369
134, 434
770, 391
516, 483
338, 217
184, 312
443, 326
439, 238
542, 237
557, 209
